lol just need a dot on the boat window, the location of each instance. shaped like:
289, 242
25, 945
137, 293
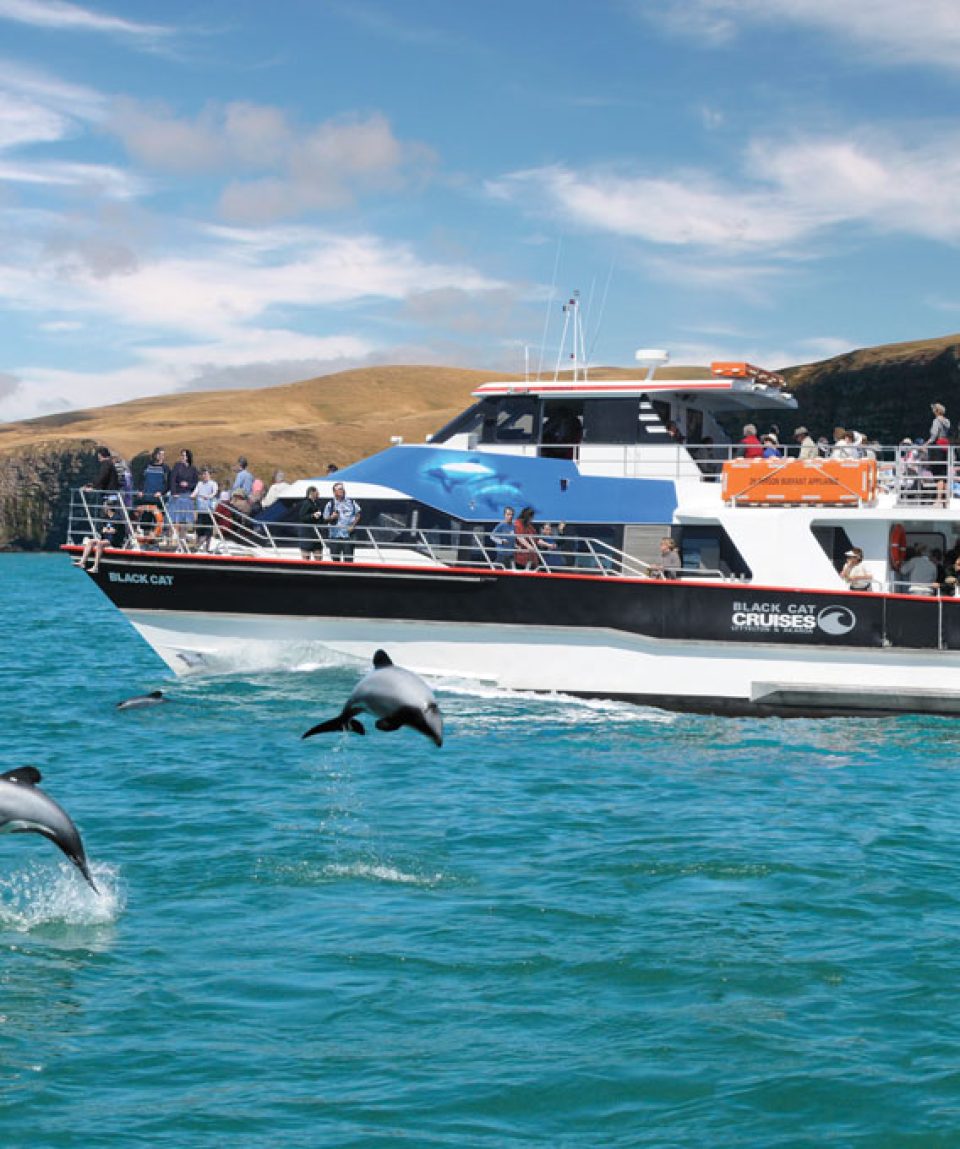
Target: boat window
834, 542
708, 547
513, 420
469, 422
562, 428
611, 420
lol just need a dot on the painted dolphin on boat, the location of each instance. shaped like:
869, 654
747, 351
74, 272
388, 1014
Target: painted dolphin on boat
151, 699
396, 696
25, 809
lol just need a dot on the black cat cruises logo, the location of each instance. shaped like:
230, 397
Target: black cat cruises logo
802, 619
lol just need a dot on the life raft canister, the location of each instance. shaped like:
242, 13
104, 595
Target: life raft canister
151, 522
898, 545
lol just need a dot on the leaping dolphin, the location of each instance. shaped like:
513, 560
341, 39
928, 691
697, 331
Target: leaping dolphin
151, 699
25, 809
398, 697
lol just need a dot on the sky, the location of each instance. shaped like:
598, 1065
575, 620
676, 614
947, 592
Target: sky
233, 193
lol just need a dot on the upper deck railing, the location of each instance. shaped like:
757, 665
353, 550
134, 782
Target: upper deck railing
913, 474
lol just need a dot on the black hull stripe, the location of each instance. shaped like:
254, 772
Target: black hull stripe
698, 612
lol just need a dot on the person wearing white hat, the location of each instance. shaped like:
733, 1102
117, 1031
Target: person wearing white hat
808, 448
854, 573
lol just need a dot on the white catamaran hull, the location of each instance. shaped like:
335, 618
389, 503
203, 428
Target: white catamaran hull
681, 674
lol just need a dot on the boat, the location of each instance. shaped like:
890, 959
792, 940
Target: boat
757, 620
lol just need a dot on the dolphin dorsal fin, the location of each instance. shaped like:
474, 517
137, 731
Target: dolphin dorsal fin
382, 659
25, 775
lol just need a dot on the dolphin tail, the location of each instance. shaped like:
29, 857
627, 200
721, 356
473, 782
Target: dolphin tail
68, 842
343, 721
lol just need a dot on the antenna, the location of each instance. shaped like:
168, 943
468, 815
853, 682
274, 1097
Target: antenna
573, 325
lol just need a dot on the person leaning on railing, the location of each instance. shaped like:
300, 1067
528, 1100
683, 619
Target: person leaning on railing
669, 564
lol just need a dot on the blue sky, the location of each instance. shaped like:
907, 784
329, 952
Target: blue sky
220, 194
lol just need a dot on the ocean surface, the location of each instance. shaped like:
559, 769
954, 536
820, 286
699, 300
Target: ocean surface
576, 924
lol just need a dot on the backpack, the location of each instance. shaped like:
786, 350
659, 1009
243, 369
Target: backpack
124, 479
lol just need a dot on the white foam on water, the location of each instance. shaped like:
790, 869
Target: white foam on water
381, 872
41, 895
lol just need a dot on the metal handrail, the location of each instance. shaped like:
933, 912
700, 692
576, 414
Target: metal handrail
466, 547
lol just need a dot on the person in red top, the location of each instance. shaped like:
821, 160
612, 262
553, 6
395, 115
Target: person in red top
751, 447
525, 533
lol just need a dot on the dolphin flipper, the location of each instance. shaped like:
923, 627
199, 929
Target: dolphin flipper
388, 724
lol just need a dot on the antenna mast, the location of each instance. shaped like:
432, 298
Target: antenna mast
573, 324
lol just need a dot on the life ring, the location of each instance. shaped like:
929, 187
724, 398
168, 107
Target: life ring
151, 515
898, 545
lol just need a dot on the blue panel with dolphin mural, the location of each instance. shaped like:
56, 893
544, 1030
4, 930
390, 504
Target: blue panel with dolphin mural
474, 486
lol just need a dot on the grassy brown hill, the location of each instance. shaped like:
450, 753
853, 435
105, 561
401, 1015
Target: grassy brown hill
299, 427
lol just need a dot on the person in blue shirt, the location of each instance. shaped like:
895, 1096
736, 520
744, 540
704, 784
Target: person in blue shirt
156, 477
243, 480
504, 538
343, 514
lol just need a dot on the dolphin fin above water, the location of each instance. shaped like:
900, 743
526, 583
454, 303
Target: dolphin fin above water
396, 696
151, 699
25, 809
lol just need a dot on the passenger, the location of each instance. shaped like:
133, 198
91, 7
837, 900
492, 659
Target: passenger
243, 479
205, 496
951, 584
808, 448
124, 480
669, 565
842, 444
183, 481
550, 548
156, 478
771, 449
525, 536
343, 514
107, 479
256, 497
919, 573
504, 539
750, 446
111, 533
310, 516
674, 433
278, 487
854, 573
938, 450
332, 468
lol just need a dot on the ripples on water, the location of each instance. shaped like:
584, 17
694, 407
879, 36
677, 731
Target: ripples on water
577, 924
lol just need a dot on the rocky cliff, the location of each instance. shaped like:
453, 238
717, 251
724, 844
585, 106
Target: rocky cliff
885, 392
35, 485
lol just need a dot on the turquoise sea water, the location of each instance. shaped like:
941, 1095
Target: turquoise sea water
575, 925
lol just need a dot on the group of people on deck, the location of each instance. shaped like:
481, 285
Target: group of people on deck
183, 505
519, 545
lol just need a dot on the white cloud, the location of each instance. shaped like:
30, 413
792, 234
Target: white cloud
921, 31
791, 193
214, 316
62, 16
316, 168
